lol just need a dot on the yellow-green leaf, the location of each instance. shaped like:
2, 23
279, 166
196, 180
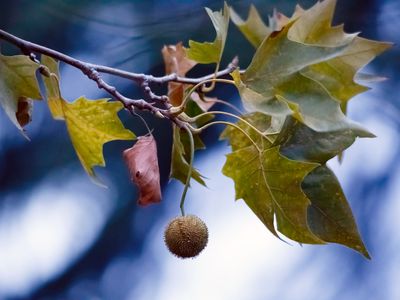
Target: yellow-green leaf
270, 184
211, 52
329, 215
180, 157
238, 140
90, 123
52, 85
254, 29
338, 74
17, 81
274, 84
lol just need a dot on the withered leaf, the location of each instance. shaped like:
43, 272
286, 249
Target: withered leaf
24, 111
176, 61
142, 163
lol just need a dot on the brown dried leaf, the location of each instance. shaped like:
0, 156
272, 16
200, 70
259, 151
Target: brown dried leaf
24, 112
176, 61
142, 163
205, 103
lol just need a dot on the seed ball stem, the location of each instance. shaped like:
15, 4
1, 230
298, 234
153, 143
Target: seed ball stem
186, 236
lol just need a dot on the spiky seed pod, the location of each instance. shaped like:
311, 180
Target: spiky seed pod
186, 236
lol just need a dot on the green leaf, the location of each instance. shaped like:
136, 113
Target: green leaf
307, 70
180, 157
273, 83
268, 182
254, 29
211, 52
338, 74
302, 143
238, 140
329, 215
90, 123
17, 82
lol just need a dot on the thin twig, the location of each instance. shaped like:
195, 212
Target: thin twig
92, 71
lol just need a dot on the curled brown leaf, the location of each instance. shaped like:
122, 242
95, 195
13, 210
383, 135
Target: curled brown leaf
24, 112
143, 167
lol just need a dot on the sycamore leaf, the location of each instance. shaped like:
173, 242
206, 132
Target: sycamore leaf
338, 74
310, 145
142, 162
307, 70
17, 83
238, 140
274, 85
90, 123
278, 20
268, 182
254, 29
329, 215
176, 61
180, 159
211, 52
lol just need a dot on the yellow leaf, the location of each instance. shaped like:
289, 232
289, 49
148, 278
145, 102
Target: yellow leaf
54, 99
90, 123
17, 83
211, 52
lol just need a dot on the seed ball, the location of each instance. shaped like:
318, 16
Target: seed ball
186, 236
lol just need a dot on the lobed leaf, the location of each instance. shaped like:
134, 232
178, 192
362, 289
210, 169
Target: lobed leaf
336, 75
329, 215
90, 123
211, 52
270, 184
254, 29
176, 61
298, 154
238, 140
17, 83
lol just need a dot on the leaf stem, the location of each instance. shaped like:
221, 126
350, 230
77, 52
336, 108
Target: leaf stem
207, 89
200, 129
217, 112
189, 174
194, 88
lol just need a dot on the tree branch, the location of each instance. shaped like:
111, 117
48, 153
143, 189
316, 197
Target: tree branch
92, 71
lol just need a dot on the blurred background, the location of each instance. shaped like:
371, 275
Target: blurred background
62, 237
